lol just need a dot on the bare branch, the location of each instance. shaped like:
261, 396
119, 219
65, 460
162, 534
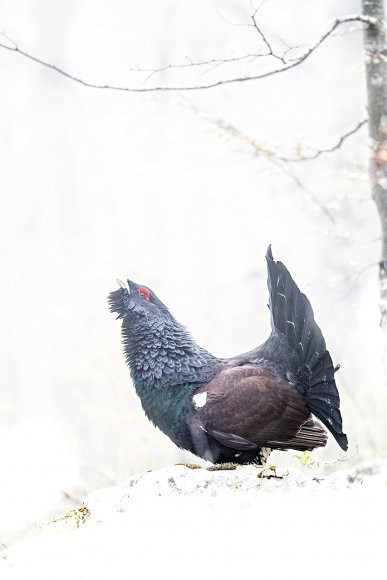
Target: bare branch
211, 63
259, 148
353, 278
216, 62
286, 170
13, 47
318, 152
266, 42
256, 150
281, 162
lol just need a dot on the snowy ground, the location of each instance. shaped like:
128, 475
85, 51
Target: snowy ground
178, 522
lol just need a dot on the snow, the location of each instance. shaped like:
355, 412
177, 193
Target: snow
223, 524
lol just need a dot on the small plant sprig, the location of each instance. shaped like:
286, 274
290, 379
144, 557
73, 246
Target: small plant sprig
305, 458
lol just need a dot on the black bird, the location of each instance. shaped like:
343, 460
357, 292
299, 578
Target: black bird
237, 409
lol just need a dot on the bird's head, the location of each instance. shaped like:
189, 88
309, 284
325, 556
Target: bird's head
159, 351
132, 300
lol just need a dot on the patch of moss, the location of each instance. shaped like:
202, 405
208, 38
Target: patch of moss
223, 467
268, 472
76, 516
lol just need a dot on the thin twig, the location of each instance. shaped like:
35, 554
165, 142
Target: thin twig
353, 277
265, 41
318, 152
286, 170
233, 131
212, 63
13, 47
256, 150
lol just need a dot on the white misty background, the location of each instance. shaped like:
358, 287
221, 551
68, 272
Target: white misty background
97, 185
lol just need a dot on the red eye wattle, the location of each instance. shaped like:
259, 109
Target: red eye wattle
144, 292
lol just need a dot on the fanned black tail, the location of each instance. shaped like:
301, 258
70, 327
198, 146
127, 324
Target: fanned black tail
292, 315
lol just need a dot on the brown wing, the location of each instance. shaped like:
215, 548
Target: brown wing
248, 406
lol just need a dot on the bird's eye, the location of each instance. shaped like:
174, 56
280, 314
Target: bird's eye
144, 292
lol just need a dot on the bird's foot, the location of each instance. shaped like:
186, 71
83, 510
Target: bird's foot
190, 465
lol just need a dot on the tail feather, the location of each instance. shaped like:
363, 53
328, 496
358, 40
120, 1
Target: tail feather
292, 316
310, 436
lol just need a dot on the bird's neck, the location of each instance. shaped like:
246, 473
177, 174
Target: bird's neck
161, 353
166, 366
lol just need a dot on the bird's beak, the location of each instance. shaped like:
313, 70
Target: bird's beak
123, 285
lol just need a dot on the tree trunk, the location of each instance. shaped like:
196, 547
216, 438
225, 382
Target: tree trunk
376, 73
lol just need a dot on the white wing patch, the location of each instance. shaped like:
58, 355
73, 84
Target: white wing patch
200, 400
